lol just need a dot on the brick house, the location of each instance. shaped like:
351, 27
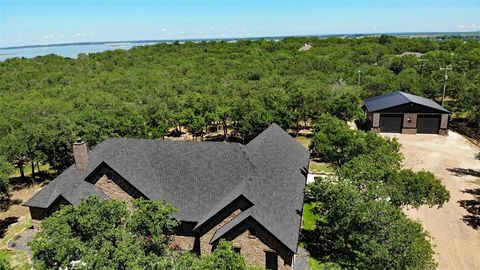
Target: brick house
249, 194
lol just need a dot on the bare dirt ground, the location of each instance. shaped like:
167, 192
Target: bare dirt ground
19, 196
454, 227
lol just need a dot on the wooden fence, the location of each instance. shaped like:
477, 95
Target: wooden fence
465, 131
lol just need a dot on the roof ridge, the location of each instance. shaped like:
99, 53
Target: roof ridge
404, 95
169, 141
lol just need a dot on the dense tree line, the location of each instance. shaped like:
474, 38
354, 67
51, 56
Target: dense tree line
5, 172
150, 91
361, 224
108, 234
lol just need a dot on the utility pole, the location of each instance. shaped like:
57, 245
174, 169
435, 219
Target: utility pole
446, 68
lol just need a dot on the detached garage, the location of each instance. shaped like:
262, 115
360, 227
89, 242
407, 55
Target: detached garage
400, 112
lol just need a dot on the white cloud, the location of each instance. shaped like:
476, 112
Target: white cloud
468, 26
77, 35
49, 36
164, 30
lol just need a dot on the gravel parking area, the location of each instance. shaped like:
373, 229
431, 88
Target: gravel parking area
455, 226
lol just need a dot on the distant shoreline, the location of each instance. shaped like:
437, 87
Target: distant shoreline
405, 34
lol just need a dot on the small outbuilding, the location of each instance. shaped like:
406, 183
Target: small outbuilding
400, 112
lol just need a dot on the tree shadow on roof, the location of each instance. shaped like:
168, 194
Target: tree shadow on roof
463, 172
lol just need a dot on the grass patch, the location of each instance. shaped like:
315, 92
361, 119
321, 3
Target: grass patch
28, 170
303, 140
18, 259
309, 218
315, 166
319, 167
314, 264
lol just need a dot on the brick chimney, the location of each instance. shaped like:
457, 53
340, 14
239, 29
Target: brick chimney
80, 153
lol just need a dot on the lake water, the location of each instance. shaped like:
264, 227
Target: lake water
71, 51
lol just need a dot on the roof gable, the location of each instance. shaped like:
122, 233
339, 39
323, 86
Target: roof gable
398, 98
201, 178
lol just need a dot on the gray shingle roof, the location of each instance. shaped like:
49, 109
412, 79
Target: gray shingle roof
198, 177
398, 98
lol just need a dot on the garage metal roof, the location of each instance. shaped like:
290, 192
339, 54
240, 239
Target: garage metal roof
398, 98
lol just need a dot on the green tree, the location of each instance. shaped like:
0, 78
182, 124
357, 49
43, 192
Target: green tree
223, 258
359, 233
103, 234
346, 106
406, 187
108, 234
5, 172
471, 99
247, 85
152, 221
333, 141
15, 151
336, 143
55, 142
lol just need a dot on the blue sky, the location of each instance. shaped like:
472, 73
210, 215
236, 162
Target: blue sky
49, 22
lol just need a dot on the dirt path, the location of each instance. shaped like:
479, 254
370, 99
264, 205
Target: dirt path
18, 198
452, 158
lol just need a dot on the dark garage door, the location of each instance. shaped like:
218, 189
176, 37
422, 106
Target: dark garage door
391, 123
428, 124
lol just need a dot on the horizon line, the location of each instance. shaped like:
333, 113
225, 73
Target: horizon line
433, 33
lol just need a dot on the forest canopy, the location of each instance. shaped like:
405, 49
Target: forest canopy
150, 91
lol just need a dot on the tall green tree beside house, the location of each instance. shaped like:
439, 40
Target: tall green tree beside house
103, 234
108, 234
346, 106
336, 143
359, 233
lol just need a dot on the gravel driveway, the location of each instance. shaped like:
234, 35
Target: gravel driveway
455, 231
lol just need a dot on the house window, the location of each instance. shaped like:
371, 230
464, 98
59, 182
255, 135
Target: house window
271, 260
236, 249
